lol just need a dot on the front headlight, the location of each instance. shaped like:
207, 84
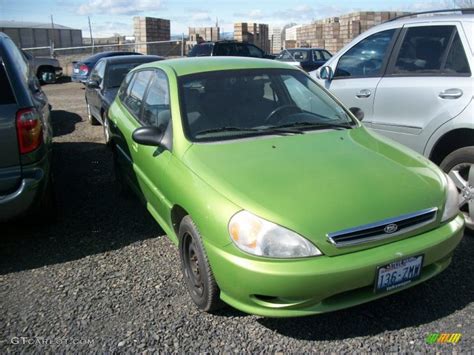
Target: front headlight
257, 236
451, 207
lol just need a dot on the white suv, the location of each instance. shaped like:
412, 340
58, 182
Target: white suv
412, 78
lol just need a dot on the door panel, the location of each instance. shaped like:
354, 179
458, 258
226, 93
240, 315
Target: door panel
428, 83
360, 69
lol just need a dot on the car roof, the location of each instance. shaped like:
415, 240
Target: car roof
305, 49
131, 59
97, 56
194, 65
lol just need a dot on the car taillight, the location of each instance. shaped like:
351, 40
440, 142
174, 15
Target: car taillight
84, 69
29, 130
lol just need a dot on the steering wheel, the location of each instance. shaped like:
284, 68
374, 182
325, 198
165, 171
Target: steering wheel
280, 109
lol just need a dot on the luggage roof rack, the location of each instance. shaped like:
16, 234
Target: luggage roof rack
465, 11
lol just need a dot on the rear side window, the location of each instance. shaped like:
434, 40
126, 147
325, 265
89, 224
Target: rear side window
255, 52
365, 59
136, 91
201, 50
6, 92
456, 61
156, 106
224, 49
423, 49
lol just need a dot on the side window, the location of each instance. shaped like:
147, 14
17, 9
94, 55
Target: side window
326, 55
6, 93
241, 50
456, 62
366, 57
224, 49
156, 106
17, 57
255, 52
125, 85
136, 91
318, 55
422, 50
98, 72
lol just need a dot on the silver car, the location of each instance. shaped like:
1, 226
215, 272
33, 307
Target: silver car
412, 79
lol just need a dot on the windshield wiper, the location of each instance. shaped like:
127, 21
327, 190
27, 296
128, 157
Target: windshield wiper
275, 130
307, 124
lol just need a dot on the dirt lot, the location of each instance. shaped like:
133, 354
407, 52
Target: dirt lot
104, 278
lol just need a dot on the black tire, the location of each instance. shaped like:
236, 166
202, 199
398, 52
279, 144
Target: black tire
46, 71
90, 117
197, 273
462, 156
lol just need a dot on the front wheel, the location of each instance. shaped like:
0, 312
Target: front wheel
197, 272
459, 165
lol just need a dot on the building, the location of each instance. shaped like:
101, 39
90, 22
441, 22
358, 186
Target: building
150, 29
36, 34
275, 37
252, 33
335, 32
197, 34
290, 33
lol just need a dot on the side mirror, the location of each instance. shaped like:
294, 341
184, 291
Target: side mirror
148, 135
356, 111
92, 84
326, 73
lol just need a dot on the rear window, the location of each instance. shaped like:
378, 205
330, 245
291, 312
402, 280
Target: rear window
201, 50
6, 93
116, 73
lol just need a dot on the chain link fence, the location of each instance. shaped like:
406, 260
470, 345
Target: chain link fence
66, 56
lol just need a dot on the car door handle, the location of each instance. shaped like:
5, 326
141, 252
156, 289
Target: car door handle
451, 94
364, 93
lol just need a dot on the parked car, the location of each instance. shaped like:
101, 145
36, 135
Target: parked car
48, 70
82, 69
413, 80
25, 139
308, 59
228, 48
280, 201
104, 82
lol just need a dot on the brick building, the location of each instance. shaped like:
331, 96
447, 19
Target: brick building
252, 33
335, 32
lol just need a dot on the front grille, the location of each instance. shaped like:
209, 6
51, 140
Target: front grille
383, 229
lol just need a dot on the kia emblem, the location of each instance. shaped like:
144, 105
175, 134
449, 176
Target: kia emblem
390, 228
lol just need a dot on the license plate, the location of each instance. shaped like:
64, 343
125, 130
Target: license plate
398, 274
76, 70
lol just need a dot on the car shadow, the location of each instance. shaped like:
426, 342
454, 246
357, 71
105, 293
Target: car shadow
64, 122
439, 297
93, 217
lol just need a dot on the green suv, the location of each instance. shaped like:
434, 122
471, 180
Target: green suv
280, 201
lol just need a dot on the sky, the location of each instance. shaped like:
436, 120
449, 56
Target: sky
115, 16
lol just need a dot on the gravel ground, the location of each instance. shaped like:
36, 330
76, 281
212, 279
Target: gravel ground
105, 278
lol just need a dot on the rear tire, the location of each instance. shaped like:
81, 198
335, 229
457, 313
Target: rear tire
197, 273
460, 166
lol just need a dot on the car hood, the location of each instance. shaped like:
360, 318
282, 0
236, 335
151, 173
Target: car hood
320, 182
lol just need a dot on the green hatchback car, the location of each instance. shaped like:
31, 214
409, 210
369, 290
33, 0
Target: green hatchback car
281, 203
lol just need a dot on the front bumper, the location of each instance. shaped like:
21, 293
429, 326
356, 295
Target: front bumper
300, 287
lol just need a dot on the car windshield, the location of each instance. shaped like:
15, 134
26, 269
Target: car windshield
289, 55
116, 73
240, 103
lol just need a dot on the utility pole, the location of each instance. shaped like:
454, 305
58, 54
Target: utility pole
90, 32
51, 42
182, 44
